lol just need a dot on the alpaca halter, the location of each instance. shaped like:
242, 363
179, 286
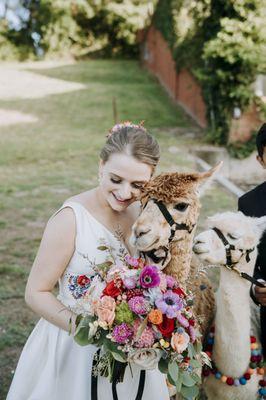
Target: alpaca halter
230, 264
174, 227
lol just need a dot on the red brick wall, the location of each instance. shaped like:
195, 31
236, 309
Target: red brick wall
241, 129
182, 87
185, 89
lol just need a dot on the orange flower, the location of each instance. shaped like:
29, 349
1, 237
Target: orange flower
155, 317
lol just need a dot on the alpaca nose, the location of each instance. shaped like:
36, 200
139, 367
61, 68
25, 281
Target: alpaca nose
141, 232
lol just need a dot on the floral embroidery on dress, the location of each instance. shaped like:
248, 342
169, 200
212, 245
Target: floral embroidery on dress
78, 285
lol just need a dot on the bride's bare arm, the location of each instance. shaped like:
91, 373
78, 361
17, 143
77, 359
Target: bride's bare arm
55, 251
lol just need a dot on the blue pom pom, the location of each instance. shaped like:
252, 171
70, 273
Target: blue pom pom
210, 340
262, 392
218, 375
243, 381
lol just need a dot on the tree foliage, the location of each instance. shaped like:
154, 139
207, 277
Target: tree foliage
78, 27
225, 48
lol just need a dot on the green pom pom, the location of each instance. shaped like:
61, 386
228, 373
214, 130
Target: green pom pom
123, 314
253, 365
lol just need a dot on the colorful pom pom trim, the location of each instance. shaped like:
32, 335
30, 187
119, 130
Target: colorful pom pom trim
255, 366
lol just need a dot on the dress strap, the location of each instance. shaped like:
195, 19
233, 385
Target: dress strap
79, 213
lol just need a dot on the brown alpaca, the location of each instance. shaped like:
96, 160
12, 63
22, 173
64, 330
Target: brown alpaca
179, 194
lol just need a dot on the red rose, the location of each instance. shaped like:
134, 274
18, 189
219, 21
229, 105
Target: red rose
179, 291
167, 326
83, 280
113, 288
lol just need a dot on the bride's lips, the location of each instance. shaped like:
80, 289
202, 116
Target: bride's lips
121, 201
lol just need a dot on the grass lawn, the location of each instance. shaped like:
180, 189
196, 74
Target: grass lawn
44, 162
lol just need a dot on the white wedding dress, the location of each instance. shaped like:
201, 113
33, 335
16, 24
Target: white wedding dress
52, 365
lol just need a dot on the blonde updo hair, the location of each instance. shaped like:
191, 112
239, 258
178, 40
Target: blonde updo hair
133, 140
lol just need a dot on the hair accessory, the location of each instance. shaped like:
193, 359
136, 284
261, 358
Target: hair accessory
126, 124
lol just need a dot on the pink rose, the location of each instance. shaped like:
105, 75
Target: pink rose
180, 341
106, 310
163, 282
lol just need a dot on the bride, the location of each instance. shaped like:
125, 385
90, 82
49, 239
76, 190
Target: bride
52, 365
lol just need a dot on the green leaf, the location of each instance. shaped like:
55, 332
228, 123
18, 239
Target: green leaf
197, 378
119, 356
191, 351
170, 379
81, 336
178, 385
189, 392
105, 265
195, 363
173, 370
102, 248
187, 379
163, 366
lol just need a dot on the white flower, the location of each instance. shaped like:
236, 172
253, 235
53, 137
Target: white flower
153, 294
92, 329
145, 358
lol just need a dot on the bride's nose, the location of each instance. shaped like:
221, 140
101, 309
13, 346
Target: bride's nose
126, 192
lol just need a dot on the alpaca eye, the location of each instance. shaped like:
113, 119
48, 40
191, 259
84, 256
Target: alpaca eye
181, 206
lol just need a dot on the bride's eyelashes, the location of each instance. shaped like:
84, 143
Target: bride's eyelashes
115, 180
118, 181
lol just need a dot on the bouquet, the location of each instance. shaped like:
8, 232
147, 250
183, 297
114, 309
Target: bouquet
137, 314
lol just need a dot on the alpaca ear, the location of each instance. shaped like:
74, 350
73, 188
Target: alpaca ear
261, 224
206, 178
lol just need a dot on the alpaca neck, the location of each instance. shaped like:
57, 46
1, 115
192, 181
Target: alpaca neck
231, 351
179, 264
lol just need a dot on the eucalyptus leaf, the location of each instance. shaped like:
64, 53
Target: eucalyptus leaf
187, 379
189, 392
163, 366
195, 363
81, 335
171, 380
191, 350
197, 378
178, 385
173, 370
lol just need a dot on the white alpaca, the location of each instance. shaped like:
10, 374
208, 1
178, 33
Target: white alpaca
231, 350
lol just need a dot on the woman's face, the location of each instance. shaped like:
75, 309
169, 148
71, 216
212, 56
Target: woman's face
121, 178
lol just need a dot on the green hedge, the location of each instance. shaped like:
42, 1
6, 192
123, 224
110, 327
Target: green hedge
79, 28
224, 46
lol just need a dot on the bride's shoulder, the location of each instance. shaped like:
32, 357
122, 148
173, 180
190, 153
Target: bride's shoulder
83, 198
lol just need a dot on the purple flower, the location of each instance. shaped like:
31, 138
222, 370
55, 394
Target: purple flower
122, 332
138, 305
149, 277
169, 303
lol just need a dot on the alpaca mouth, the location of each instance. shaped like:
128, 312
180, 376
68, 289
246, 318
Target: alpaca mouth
147, 247
199, 249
